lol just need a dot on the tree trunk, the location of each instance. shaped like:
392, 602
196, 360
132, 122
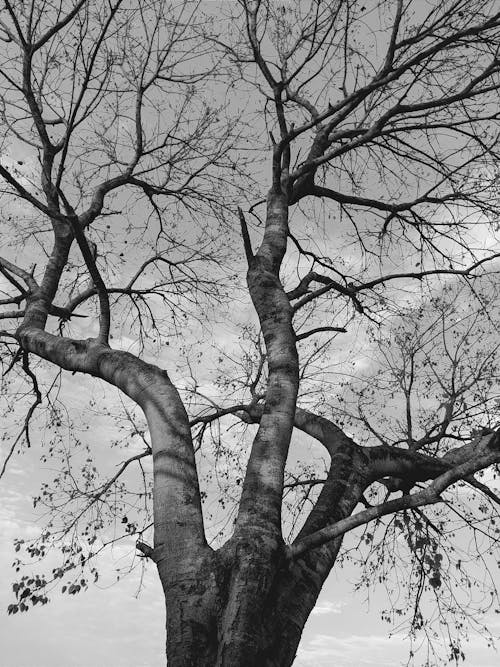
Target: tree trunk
225, 608
191, 588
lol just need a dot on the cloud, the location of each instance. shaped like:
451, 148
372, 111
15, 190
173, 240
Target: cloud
324, 650
11, 526
326, 607
369, 650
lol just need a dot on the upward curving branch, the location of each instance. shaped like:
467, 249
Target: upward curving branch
263, 485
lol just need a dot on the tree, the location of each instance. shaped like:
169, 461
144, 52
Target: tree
373, 130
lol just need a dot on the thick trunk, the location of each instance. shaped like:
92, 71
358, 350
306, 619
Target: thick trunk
256, 558
243, 606
221, 609
261, 600
252, 631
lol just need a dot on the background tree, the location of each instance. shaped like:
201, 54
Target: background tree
127, 185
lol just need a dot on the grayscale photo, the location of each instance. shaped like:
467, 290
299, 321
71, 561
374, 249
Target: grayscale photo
249, 333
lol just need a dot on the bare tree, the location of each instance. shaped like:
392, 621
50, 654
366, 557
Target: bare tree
373, 128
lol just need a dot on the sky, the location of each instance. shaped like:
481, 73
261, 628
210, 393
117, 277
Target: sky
126, 619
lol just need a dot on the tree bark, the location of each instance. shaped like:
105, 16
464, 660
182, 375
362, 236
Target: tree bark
216, 618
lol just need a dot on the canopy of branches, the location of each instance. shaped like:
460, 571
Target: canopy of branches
293, 208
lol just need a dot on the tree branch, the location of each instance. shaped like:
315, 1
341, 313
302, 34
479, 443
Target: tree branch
89, 259
316, 330
428, 496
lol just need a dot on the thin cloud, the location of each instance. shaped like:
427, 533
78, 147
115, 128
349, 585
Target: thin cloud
326, 607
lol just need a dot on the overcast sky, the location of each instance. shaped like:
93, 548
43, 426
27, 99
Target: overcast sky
126, 619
